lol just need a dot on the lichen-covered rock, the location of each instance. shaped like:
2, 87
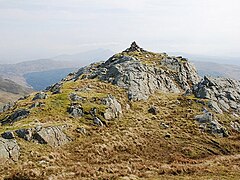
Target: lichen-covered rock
223, 92
76, 110
53, 136
114, 109
210, 124
9, 150
40, 95
141, 80
16, 116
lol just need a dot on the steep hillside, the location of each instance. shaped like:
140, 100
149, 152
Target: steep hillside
10, 91
138, 115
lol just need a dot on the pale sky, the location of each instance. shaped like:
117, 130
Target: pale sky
33, 29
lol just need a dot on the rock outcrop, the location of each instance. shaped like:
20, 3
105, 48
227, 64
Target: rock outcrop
209, 123
114, 109
16, 116
223, 93
9, 150
168, 74
52, 135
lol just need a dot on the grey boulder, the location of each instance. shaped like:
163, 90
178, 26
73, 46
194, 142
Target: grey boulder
9, 150
114, 108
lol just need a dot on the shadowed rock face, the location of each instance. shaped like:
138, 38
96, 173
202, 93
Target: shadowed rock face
141, 80
9, 150
224, 93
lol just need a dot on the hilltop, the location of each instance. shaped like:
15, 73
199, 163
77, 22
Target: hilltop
137, 115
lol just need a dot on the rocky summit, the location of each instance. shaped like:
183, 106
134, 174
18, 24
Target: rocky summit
137, 115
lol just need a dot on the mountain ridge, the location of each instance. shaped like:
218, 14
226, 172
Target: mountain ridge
136, 115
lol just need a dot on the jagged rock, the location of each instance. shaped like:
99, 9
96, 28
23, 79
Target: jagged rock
9, 150
114, 109
75, 97
153, 110
76, 110
141, 80
40, 95
7, 135
16, 116
224, 91
55, 89
25, 134
53, 136
210, 124
214, 106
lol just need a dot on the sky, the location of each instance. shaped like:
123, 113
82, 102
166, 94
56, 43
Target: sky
33, 29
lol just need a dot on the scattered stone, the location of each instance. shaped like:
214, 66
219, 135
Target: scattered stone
210, 124
75, 97
163, 125
9, 150
167, 135
7, 135
16, 116
81, 130
114, 109
153, 110
76, 110
97, 122
37, 104
40, 95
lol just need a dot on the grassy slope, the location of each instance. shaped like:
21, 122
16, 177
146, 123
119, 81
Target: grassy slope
133, 145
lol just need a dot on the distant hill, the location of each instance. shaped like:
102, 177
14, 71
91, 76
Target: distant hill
213, 59
40, 80
21, 73
11, 91
217, 70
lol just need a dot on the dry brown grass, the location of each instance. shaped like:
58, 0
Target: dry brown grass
133, 146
